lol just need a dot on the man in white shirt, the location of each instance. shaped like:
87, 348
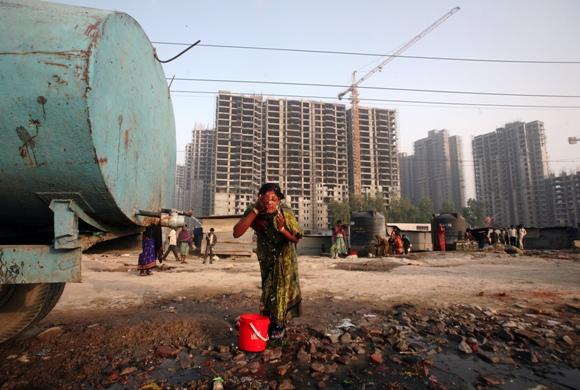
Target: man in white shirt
210, 241
522, 232
513, 235
172, 238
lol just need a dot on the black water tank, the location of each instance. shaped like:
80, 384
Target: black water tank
364, 226
454, 229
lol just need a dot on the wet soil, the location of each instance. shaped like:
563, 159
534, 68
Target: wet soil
472, 320
189, 341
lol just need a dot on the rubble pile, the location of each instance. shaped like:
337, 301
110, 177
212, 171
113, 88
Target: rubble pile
406, 347
396, 349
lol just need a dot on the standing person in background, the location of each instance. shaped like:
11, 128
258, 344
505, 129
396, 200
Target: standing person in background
172, 239
441, 237
522, 232
406, 245
210, 241
147, 257
513, 235
278, 232
338, 246
184, 240
397, 243
381, 246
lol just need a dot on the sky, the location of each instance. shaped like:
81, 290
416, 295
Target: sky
537, 30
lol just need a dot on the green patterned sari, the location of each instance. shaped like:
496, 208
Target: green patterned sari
281, 298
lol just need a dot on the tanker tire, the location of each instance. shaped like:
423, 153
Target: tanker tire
24, 304
56, 290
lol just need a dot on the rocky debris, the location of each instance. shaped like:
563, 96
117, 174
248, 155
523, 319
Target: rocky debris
283, 369
271, 355
377, 358
512, 250
568, 340
496, 359
167, 352
50, 333
303, 357
401, 345
464, 347
128, 370
317, 367
286, 384
345, 338
492, 381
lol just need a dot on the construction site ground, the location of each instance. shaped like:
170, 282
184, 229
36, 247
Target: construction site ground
427, 320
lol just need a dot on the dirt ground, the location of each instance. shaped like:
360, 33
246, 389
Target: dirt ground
429, 320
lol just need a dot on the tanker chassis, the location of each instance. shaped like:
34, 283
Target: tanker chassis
88, 141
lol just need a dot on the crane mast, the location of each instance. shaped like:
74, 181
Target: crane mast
353, 89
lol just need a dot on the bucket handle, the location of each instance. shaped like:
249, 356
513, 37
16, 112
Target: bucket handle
264, 339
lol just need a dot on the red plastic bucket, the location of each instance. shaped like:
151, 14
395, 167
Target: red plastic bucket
253, 332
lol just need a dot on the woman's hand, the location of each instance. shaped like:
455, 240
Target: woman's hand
280, 222
259, 205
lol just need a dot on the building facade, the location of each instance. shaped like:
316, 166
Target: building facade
563, 194
238, 152
407, 178
200, 165
179, 194
511, 165
300, 144
435, 171
304, 146
378, 153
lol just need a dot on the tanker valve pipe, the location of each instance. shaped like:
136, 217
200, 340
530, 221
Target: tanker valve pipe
168, 218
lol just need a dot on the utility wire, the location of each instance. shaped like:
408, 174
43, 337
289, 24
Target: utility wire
394, 100
351, 53
372, 87
177, 55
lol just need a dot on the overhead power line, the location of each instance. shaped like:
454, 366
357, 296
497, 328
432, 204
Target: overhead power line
352, 53
373, 87
393, 100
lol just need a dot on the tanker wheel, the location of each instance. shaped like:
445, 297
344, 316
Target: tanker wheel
21, 305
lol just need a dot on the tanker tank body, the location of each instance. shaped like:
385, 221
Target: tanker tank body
88, 140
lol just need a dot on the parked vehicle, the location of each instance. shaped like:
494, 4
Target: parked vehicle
87, 151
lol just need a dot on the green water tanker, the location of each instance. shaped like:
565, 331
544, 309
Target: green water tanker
87, 141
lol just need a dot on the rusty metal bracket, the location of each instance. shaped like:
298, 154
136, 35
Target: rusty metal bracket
66, 223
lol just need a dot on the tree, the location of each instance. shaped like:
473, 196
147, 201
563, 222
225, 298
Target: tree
338, 211
447, 207
341, 210
474, 213
425, 212
402, 210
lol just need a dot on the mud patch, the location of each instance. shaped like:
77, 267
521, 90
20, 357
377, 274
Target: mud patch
370, 266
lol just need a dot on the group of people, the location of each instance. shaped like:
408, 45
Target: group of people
513, 236
177, 243
396, 244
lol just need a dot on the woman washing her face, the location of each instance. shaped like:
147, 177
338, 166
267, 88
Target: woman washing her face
278, 231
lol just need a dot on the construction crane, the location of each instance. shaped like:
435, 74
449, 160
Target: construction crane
353, 89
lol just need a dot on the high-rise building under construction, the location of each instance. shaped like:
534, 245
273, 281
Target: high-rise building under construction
511, 165
305, 151
378, 153
200, 165
300, 144
238, 152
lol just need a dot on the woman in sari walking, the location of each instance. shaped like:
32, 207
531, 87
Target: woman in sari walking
148, 256
278, 232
